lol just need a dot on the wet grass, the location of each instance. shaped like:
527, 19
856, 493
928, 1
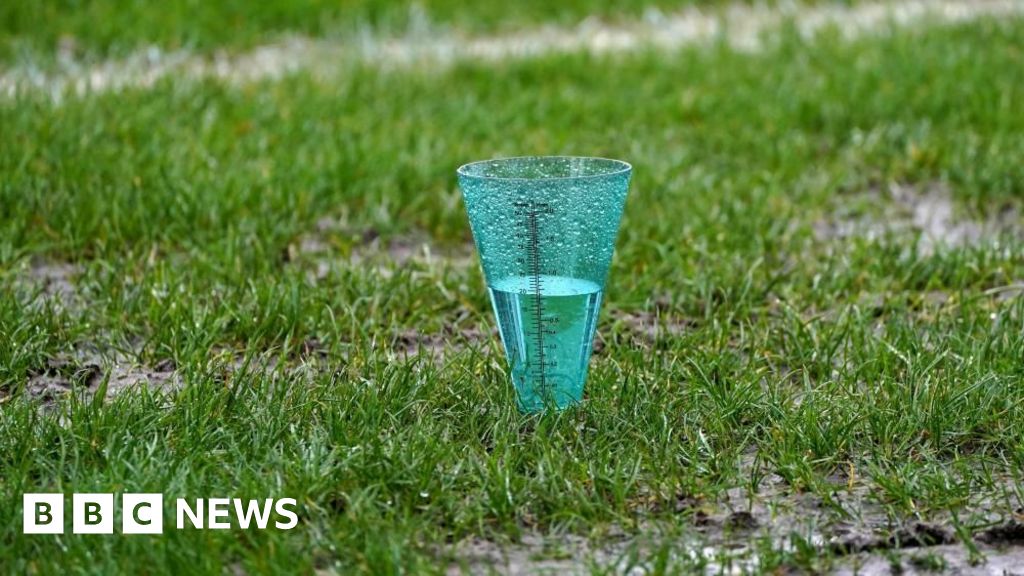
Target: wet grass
97, 28
840, 363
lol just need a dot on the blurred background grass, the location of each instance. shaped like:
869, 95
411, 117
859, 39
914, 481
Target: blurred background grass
95, 28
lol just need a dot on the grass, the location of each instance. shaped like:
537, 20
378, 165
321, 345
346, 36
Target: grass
96, 28
185, 206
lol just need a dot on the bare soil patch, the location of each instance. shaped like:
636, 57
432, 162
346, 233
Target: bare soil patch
54, 282
537, 554
411, 343
88, 372
648, 326
926, 212
943, 559
333, 243
851, 526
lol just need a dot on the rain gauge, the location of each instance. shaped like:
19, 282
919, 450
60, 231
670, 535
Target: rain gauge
545, 231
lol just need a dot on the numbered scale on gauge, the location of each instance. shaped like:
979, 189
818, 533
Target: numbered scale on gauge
546, 320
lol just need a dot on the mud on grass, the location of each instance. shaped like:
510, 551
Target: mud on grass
925, 213
737, 545
769, 531
90, 373
336, 242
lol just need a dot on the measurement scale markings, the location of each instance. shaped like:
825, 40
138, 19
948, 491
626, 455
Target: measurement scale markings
531, 213
533, 257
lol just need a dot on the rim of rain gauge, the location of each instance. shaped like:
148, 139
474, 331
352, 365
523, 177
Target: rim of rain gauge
479, 168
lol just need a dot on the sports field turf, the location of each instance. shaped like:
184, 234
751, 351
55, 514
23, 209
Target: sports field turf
90, 28
810, 356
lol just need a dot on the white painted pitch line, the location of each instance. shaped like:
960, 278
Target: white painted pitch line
743, 27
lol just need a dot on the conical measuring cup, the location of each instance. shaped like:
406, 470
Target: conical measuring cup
545, 230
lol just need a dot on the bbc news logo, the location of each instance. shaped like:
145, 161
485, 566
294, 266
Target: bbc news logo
144, 513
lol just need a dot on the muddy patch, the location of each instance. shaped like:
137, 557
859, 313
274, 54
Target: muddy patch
650, 326
536, 553
845, 520
89, 374
333, 244
411, 343
55, 279
51, 283
913, 535
641, 328
1007, 293
925, 212
87, 371
1009, 533
306, 358
943, 559
125, 377
726, 534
